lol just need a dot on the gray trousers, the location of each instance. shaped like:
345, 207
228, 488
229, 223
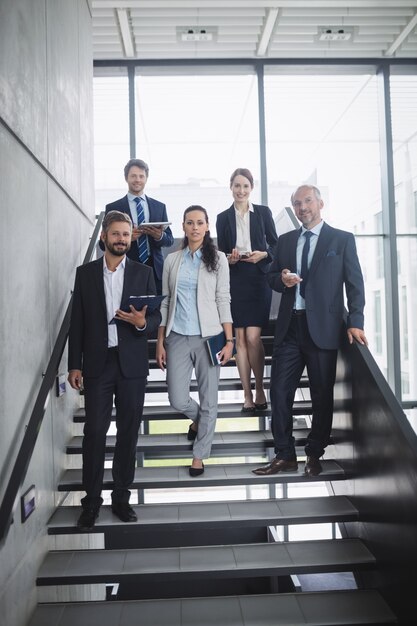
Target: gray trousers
185, 353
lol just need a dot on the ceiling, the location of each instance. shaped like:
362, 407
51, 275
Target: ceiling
253, 29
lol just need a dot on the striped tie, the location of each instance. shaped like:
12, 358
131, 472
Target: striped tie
143, 240
304, 263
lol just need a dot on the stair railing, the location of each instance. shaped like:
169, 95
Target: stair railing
27, 446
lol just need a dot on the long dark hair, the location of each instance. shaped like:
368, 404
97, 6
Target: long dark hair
208, 249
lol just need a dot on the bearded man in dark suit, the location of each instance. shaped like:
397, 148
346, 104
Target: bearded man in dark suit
108, 356
311, 268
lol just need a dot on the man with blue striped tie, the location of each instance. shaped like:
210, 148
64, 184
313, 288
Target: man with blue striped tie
147, 241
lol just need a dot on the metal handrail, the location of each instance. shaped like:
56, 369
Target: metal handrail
27, 446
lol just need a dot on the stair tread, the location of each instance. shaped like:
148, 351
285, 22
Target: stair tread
257, 439
227, 561
339, 608
166, 412
213, 515
215, 475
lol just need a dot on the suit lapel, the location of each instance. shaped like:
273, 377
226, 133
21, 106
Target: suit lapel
293, 249
99, 283
231, 219
321, 247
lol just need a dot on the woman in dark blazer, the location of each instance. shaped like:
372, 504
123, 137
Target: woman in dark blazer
246, 233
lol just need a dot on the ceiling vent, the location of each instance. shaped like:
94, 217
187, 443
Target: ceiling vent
335, 34
196, 33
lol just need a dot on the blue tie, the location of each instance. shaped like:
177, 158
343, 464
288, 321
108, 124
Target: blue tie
142, 241
304, 263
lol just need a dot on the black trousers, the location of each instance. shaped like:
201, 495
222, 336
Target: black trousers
128, 394
289, 359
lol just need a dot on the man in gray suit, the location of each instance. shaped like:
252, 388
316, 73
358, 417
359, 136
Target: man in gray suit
311, 268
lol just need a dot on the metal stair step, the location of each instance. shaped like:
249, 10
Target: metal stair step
74, 567
214, 515
225, 411
256, 441
214, 475
336, 608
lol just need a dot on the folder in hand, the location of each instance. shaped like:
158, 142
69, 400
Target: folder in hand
152, 302
215, 344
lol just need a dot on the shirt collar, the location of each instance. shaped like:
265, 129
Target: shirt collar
122, 264
198, 253
131, 197
316, 230
251, 209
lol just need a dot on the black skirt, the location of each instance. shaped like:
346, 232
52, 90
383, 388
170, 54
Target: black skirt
250, 295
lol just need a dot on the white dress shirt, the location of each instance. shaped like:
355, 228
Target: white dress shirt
113, 289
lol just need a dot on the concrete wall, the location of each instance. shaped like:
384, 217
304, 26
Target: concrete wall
47, 215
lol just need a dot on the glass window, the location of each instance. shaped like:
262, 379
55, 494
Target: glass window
111, 134
322, 128
403, 87
194, 130
377, 334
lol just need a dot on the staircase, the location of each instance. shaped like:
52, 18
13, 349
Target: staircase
228, 547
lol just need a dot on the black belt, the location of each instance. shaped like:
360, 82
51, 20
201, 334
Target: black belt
298, 311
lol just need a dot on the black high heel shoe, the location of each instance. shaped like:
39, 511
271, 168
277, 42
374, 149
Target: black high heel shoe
261, 407
196, 471
192, 434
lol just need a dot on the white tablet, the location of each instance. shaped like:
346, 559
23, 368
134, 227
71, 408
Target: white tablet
163, 224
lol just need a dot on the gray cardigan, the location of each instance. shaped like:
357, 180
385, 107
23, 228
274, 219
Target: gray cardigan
213, 294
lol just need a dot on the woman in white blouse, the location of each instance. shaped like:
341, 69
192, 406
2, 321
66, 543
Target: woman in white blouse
246, 233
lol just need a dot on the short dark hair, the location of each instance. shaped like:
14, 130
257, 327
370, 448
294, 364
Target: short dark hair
242, 171
136, 163
115, 216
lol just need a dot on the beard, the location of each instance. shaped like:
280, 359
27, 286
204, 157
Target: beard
117, 249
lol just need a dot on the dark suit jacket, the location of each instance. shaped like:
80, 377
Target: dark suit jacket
263, 235
157, 213
88, 336
335, 264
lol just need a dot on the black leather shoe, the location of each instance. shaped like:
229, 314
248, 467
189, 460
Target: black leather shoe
124, 512
87, 518
261, 407
196, 471
313, 466
276, 466
192, 434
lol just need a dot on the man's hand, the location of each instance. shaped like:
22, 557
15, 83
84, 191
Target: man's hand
155, 232
358, 335
75, 379
289, 278
134, 317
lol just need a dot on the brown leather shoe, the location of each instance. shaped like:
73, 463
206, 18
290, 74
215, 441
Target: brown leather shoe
313, 466
276, 466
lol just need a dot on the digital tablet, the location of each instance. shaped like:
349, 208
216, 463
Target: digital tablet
157, 224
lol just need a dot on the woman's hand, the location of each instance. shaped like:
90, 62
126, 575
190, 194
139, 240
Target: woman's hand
161, 355
233, 257
255, 256
226, 353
